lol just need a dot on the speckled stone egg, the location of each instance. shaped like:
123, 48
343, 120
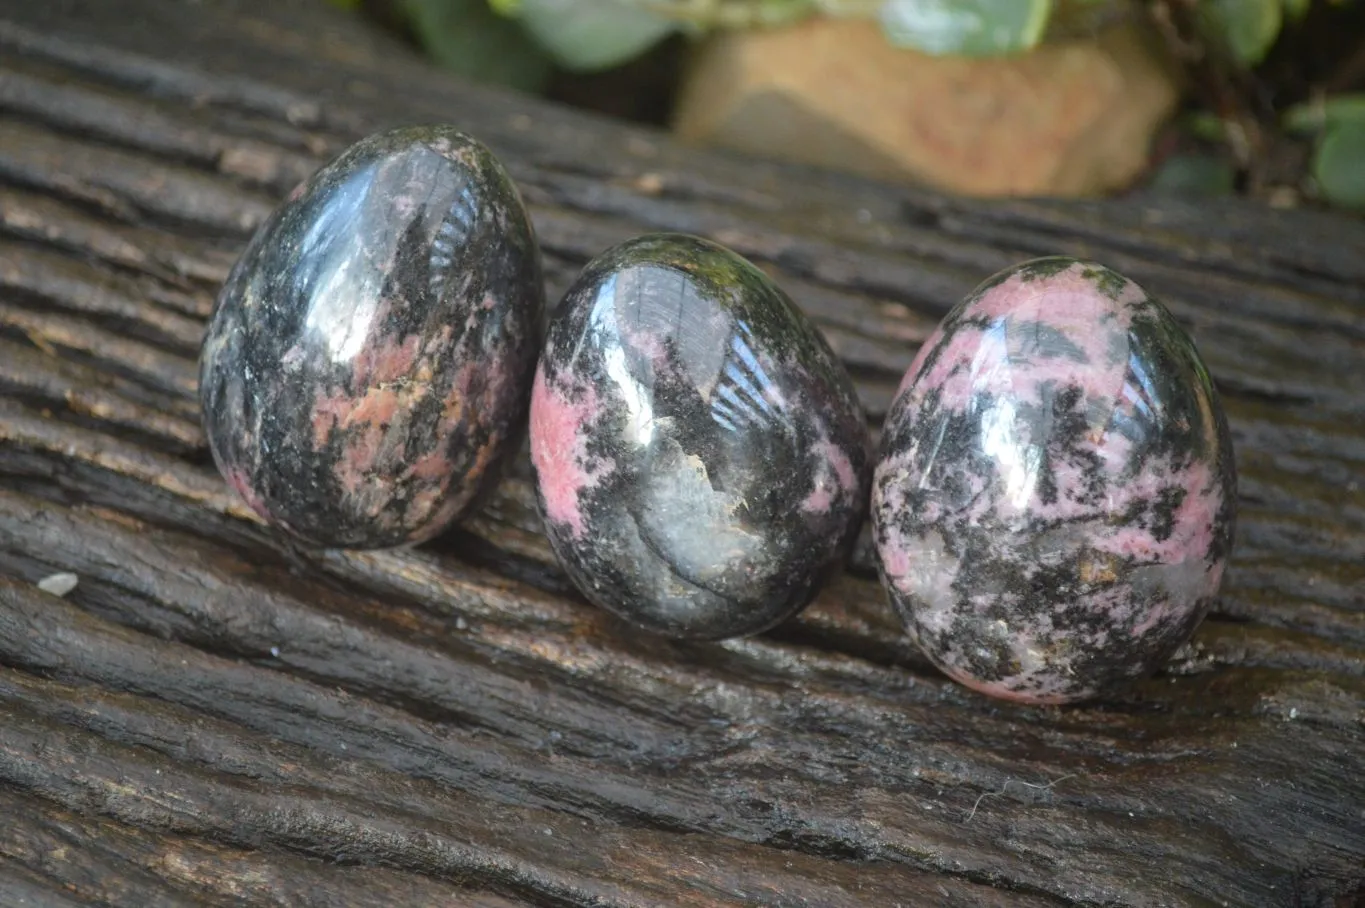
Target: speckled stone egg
1053, 505
368, 365
701, 460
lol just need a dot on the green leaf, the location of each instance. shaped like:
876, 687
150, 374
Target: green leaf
971, 28
1315, 116
468, 38
592, 34
1194, 174
704, 15
1339, 165
1250, 27
1294, 10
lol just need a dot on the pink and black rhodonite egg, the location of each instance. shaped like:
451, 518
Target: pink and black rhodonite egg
1054, 502
701, 459
368, 366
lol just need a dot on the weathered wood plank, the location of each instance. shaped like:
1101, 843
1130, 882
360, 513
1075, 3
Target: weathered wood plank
212, 717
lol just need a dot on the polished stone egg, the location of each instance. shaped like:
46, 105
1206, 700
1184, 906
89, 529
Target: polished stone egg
701, 458
367, 368
1054, 501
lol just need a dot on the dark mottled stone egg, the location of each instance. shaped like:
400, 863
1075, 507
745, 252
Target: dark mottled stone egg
1053, 506
368, 365
701, 459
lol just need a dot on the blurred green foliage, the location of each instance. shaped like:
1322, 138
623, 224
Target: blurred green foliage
1194, 173
960, 27
1249, 26
589, 35
468, 37
974, 28
1339, 165
598, 34
519, 42
1337, 125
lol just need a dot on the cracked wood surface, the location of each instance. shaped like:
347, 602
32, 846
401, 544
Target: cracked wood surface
213, 718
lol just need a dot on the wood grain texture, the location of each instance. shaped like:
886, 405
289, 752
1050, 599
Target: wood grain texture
212, 717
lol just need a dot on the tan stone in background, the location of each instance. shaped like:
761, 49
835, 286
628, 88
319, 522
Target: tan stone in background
1072, 118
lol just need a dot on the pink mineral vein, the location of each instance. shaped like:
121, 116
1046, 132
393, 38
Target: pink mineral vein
819, 500
1192, 523
977, 360
838, 468
558, 450
387, 360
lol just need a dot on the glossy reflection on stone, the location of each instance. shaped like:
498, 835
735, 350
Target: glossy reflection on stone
1053, 507
367, 368
701, 458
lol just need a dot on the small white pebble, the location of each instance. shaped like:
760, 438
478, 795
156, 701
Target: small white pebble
1293, 712
343, 747
275, 651
58, 584
461, 624
549, 831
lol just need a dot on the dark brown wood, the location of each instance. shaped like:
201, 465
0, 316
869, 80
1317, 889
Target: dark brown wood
213, 718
